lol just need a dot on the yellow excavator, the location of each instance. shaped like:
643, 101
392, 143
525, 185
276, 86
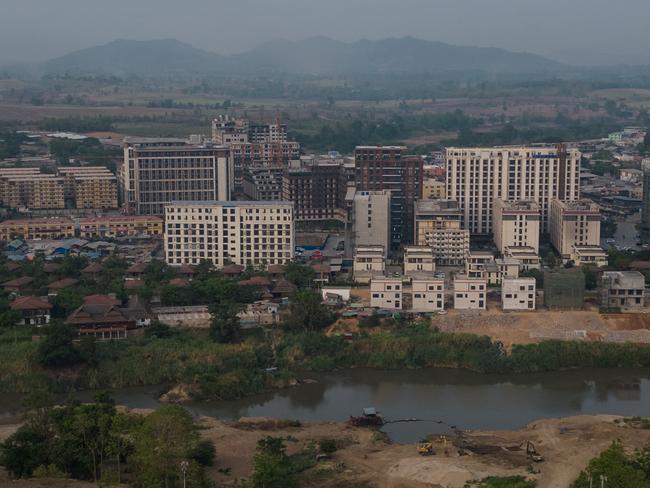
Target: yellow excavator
426, 449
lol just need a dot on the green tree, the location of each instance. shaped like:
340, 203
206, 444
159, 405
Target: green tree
619, 469
167, 438
307, 311
57, 349
271, 465
224, 325
301, 276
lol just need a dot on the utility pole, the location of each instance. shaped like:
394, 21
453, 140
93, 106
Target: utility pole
184, 466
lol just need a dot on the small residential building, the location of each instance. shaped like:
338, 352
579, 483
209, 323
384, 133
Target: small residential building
575, 225
102, 321
476, 262
428, 294
526, 256
192, 316
470, 293
368, 261
17, 284
386, 292
438, 225
55, 287
589, 255
34, 311
518, 293
516, 224
418, 259
622, 289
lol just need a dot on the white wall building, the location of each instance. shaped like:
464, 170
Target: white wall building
386, 292
244, 233
518, 293
369, 218
418, 260
476, 177
428, 294
516, 224
368, 262
470, 293
575, 232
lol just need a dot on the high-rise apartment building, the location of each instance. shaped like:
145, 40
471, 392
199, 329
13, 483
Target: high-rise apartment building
516, 224
244, 233
369, 218
159, 171
439, 225
318, 192
476, 177
386, 168
262, 183
575, 232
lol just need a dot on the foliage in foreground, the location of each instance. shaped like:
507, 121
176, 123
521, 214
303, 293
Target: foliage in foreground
505, 482
617, 469
94, 442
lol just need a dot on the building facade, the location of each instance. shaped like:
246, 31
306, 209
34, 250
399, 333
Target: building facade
419, 260
516, 224
369, 218
90, 187
29, 188
645, 208
263, 184
470, 293
120, 226
369, 261
386, 292
433, 189
386, 168
575, 226
476, 177
243, 233
518, 293
438, 225
318, 192
622, 289
428, 294
159, 171
52, 228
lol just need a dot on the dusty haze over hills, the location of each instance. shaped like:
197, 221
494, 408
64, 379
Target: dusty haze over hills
575, 31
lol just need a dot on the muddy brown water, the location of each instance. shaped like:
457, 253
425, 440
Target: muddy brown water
439, 398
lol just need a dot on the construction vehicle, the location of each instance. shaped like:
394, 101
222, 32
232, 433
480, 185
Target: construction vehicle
532, 453
370, 418
425, 449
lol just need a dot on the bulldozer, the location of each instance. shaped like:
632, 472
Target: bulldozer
426, 449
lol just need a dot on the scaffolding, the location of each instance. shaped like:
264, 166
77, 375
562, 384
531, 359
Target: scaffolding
564, 289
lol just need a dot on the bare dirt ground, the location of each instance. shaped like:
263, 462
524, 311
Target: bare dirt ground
567, 445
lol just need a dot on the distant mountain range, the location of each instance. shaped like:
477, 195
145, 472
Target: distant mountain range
317, 56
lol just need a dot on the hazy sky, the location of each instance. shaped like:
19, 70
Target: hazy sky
575, 31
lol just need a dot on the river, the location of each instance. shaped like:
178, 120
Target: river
459, 398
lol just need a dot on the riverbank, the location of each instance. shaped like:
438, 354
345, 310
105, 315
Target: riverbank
209, 370
365, 459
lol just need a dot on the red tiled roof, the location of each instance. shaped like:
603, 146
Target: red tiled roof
232, 269
256, 281
132, 284
101, 300
93, 268
182, 282
137, 268
18, 282
275, 269
51, 267
64, 283
30, 303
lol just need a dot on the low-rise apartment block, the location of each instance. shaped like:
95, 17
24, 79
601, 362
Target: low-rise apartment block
53, 228
438, 225
120, 226
263, 184
516, 224
28, 188
518, 293
622, 289
239, 232
470, 293
418, 260
386, 292
90, 187
428, 294
575, 232
368, 261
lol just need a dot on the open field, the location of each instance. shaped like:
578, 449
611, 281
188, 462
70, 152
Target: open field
567, 445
